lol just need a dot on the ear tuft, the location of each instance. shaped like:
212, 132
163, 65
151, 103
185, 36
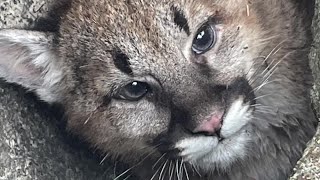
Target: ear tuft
28, 58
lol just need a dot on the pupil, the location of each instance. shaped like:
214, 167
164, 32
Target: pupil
137, 89
203, 38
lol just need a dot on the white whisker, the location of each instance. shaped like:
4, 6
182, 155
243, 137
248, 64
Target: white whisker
171, 170
195, 168
265, 112
185, 170
177, 169
274, 51
128, 177
269, 64
154, 175
104, 158
135, 165
122, 173
260, 86
154, 165
262, 96
181, 170
162, 170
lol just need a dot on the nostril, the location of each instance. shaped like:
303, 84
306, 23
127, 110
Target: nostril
210, 126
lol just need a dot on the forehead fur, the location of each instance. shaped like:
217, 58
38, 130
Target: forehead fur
147, 25
145, 31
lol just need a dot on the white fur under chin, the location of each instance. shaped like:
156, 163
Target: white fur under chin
207, 153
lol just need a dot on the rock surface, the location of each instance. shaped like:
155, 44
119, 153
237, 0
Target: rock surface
309, 165
33, 147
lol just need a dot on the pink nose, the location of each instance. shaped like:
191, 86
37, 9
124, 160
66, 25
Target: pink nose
211, 125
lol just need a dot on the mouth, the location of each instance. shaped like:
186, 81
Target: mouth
218, 134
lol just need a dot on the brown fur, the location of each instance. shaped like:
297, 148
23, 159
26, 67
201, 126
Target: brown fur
159, 52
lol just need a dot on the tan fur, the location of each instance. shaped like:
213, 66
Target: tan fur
254, 38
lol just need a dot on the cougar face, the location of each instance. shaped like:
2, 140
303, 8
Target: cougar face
220, 87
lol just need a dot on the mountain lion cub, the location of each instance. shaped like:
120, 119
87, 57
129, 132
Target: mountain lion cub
181, 89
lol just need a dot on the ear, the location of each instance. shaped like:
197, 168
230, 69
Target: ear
28, 58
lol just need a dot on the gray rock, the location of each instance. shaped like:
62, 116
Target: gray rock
309, 165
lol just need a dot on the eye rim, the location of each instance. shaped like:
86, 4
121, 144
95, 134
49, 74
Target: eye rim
124, 94
203, 27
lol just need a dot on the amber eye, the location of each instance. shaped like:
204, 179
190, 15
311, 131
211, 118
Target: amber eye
204, 40
133, 91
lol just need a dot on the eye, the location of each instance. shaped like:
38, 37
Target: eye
204, 40
133, 91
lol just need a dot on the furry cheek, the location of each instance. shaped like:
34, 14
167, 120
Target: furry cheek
141, 119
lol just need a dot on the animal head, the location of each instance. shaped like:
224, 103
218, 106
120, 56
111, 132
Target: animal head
201, 81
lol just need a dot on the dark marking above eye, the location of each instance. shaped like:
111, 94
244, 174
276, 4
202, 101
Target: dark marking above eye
121, 61
180, 19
